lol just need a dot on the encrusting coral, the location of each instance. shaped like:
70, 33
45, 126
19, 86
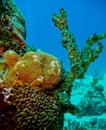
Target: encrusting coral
30, 109
12, 27
33, 83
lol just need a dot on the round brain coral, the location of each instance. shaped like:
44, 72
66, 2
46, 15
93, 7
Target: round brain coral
10, 57
35, 68
27, 71
24, 71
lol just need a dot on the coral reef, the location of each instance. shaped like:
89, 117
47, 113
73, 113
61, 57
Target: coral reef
12, 27
92, 105
85, 123
34, 87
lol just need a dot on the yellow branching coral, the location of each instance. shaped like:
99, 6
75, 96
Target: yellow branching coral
34, 68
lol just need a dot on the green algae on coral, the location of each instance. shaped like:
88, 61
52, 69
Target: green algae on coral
12, 27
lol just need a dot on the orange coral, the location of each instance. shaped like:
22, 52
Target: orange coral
27, 71
24, 71
51, 70
34, 68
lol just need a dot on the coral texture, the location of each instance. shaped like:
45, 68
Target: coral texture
52, 70
12, 27
31, 109
34, 68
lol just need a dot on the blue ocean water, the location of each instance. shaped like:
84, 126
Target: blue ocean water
85, 17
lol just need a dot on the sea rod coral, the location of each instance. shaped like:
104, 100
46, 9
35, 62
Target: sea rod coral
79, 61
35, 88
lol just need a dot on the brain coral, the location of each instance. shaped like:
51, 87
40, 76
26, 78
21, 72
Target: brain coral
32, 109
24, 71
34, 68
52, 70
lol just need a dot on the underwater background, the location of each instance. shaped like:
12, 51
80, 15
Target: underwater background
85, 17
37, 91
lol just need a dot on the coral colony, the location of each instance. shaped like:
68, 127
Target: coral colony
35, 89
